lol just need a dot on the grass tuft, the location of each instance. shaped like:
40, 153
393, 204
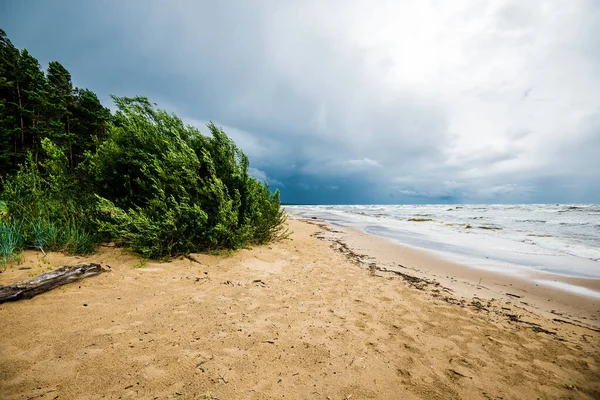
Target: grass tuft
11, 243
78, 241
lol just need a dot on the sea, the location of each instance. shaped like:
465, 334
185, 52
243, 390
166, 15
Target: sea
555, 238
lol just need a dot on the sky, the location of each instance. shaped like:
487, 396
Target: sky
356, 102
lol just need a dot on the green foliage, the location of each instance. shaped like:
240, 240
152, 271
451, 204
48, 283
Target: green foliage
172, 190
35, 105
267, 219
79, 240
47, 235
11, 242
73, 175
49, 207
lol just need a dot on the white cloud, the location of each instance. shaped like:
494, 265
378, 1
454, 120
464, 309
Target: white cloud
362, 163
254, 146
276, 183
262, 177
258, 174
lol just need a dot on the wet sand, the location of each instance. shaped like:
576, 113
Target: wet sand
329, 314
532, 290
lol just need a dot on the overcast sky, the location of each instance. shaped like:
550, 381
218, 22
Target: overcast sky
356, 101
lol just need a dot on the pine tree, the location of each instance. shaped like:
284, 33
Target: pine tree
89, 122
35, 105
8, 104
61, 92
22, 98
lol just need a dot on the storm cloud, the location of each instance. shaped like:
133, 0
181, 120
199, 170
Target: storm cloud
357, 101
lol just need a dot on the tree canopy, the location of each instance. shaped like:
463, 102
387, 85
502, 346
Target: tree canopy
35, 105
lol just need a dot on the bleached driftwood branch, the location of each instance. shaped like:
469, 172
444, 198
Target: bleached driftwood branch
48, 281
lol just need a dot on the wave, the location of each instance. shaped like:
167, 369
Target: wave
542, 232
574, 223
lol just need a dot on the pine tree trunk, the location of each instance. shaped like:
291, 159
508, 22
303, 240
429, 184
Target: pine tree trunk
70, 142
35, 141
15, 153
21, 116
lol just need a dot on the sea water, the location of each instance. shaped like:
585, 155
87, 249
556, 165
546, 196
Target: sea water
556, 238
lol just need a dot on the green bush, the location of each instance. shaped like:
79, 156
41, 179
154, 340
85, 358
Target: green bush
171, 190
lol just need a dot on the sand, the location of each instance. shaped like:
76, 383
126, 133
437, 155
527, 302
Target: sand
314, 317
526, 289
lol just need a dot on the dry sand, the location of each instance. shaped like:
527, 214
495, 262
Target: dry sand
296, 319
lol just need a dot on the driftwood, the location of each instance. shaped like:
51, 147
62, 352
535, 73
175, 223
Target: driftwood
48, 281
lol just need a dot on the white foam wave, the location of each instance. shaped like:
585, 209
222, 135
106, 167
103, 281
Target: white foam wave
557, 238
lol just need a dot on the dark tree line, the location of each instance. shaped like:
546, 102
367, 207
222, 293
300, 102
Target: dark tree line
37, 104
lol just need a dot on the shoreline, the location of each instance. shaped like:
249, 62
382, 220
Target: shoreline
530, 290
307, 317
498, 240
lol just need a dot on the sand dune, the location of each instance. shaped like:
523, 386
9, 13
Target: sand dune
297, 319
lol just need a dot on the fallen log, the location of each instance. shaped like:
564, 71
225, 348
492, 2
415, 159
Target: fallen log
48, 281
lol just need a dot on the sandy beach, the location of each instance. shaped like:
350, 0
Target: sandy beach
330, 313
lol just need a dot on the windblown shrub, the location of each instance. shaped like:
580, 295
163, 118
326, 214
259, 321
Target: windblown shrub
168, 189
267, 221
